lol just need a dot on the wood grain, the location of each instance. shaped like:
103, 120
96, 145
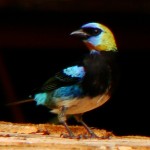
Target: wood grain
47, 136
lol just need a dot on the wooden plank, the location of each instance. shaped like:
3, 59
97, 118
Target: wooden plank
47, 136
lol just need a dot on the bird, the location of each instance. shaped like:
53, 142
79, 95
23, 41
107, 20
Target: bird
85, 86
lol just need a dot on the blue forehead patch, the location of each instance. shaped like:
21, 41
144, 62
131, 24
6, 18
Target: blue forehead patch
91, 25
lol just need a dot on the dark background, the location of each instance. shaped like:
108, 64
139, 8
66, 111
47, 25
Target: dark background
35, 43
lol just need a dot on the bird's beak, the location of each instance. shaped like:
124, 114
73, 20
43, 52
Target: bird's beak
80, 33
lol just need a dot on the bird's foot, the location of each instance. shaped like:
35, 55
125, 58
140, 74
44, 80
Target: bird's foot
42, 132
93, 136
80, 136
108, 135
86, 136
71, 136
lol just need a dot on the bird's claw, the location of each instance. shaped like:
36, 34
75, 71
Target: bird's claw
67, 136
80, 136
107, 136
94, 136
85, 136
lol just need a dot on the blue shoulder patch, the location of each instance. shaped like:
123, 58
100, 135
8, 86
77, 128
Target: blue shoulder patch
75, 71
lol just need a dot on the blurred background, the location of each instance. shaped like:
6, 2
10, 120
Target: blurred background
35, 43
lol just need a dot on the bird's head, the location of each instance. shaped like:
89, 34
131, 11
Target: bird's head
97, 37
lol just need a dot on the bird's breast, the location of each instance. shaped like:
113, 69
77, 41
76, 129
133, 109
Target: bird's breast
81, 105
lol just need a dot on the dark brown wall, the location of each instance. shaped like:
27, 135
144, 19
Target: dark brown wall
35, 43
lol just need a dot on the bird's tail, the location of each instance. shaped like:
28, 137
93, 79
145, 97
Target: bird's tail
20, 102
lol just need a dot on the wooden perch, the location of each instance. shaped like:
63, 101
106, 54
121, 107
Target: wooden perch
47, 136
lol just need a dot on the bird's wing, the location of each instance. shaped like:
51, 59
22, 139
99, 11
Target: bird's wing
67, 76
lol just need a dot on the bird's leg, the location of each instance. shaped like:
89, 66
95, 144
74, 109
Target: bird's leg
79, 119
62, 119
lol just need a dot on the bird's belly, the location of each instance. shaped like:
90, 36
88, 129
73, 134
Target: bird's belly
81, 105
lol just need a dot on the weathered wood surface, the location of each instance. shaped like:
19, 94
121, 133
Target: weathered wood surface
47, 136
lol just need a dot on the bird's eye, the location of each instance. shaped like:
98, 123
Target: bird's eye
92, 31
